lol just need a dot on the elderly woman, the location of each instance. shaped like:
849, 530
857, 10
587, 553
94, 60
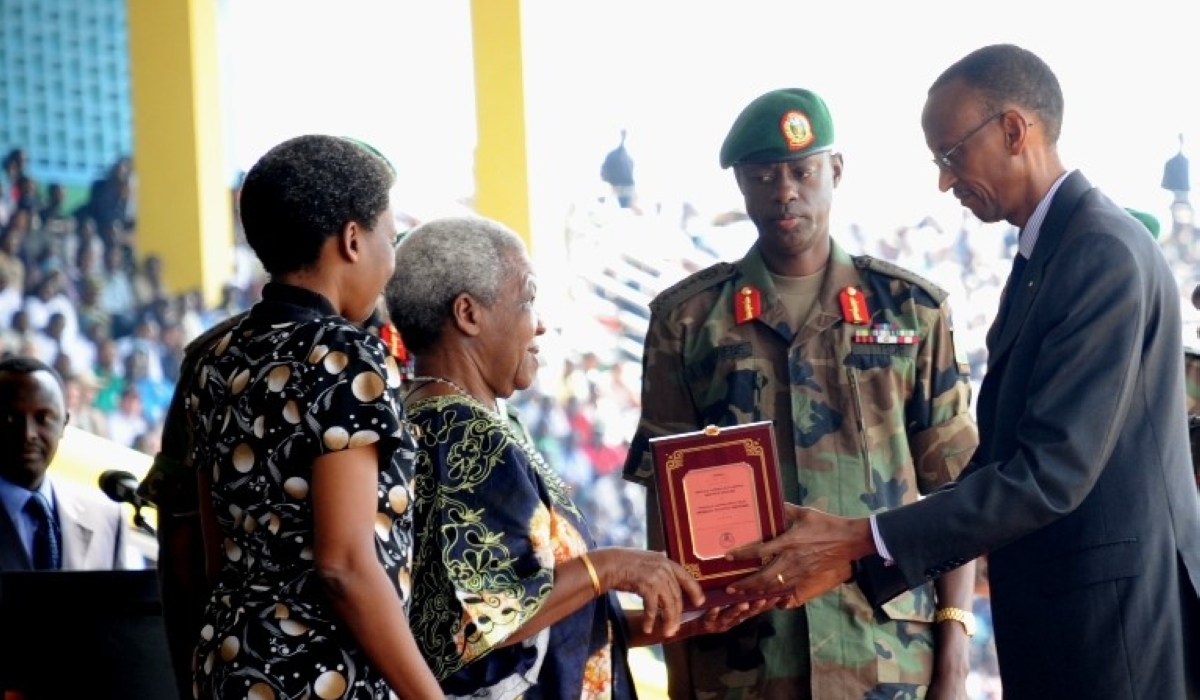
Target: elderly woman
508, 592
302, 453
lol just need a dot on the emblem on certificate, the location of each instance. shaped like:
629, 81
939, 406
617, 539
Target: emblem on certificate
718, 488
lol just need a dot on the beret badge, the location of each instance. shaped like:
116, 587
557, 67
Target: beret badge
797, 131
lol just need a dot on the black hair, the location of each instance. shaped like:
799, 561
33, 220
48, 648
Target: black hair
22, 364
305, 190
1005, 75
11, 157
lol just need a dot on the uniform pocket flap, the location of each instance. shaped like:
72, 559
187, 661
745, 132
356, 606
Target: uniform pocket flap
916, 605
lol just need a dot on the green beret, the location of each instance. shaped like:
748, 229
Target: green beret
781, 125
1148, 220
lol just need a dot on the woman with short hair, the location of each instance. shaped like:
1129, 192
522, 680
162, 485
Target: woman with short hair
303, 455
510, 596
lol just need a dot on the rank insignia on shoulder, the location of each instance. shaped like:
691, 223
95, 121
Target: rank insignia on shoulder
747, 304
854, 306
884, 334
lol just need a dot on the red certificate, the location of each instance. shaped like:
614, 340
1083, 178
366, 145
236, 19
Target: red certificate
718, 489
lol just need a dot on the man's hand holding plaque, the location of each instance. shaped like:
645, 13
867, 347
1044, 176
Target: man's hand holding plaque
719, 490
813, 557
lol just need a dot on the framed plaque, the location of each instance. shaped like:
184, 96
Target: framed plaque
718, 488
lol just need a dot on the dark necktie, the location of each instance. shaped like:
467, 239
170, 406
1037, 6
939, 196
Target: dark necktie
45, 535
1014, 279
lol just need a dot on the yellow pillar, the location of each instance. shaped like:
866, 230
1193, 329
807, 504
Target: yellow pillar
184, 204
501, 162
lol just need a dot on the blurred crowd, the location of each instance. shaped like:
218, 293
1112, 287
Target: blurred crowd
75, 294
582, 424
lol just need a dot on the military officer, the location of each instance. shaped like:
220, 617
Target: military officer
853, 360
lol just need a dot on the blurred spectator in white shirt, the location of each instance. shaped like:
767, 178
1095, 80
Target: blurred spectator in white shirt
116, 292
128, 422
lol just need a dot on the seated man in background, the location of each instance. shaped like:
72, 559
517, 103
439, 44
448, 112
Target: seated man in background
49, 524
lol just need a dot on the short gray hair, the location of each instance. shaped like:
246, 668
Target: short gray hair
439, 260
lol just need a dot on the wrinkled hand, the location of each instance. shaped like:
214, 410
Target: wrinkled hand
658, 581
813, 556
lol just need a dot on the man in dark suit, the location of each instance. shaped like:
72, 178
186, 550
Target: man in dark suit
1081, 489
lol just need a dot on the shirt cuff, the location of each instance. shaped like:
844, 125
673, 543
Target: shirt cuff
880, 547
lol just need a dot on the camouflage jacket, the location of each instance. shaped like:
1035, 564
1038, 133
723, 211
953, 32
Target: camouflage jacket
862, 425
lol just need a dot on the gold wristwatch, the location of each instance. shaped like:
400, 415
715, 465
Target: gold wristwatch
963, 617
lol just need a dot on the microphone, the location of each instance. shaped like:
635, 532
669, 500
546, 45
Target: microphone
121, 486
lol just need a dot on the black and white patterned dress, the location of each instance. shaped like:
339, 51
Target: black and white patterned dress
289, 383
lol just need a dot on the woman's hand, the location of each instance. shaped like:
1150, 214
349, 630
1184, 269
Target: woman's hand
661, 584
711, 621
716, 620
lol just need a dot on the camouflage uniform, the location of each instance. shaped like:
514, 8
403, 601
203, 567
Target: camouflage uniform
861, 428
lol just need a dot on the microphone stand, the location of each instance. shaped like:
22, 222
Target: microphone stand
141, 522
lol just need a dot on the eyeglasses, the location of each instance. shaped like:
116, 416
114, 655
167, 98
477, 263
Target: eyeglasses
943, 159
